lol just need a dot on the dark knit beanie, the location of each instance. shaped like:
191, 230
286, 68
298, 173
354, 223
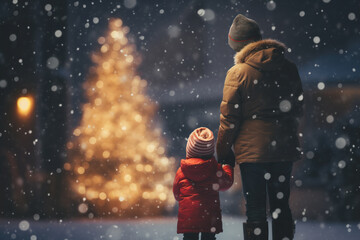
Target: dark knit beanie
243, 31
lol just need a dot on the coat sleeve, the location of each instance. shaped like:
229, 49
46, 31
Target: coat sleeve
176, 186
230, 117
226, 177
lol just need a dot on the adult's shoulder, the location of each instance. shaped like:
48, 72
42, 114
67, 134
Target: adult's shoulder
238, 73
239, 68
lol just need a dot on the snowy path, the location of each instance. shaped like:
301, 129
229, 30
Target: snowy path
158, 228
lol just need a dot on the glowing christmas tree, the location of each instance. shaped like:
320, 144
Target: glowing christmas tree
118, 160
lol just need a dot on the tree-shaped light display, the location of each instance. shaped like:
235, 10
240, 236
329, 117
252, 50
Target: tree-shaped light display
118, 162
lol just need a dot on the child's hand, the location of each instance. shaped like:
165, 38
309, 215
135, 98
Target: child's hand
230, 163
227, 177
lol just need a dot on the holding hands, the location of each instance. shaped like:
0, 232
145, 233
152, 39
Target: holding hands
229, 160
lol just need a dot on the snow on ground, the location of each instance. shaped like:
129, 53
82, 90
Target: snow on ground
157, 228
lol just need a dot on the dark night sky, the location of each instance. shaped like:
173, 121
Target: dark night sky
296, 23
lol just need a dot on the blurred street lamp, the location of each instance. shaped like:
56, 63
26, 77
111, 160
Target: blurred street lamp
25, 106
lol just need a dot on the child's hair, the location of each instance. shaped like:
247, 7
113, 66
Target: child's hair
200, 144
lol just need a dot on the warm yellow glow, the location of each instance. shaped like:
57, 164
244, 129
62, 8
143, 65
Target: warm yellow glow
164, 161
91, 194
98, 101
89, 153
129, 59
105, 133
99, 84
162, 196
97, 179
88, 128
81, 170
116, 46
114, 194
77, 132
161, 151
92, 140
146, 195
150, 148
87, 182
127, 178
148, 168
168, 177
138, 118
133, 187
104, 48
81, 189
119, 156
123, 41
117, 23
67, 166
101, 40
24, 105
102, 196
140, 167
159, 187
117, 34
106, 66
106, 154
137, 158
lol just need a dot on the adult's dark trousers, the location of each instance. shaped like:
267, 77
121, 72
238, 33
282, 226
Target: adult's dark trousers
195, 236
262, 181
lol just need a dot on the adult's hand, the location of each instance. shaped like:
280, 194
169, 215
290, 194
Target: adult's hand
229, 160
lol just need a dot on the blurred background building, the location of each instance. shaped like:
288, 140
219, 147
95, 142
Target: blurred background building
45, 50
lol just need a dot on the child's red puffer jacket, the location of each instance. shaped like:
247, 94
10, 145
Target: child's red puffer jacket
196, 186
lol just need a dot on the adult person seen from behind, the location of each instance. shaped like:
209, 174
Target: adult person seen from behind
260, 111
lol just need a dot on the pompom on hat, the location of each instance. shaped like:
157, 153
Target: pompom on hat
243, 31
200, 143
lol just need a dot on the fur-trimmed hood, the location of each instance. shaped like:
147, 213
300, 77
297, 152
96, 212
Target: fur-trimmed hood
265, 54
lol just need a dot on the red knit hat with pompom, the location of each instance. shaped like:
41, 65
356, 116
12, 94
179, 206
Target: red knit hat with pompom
200, 143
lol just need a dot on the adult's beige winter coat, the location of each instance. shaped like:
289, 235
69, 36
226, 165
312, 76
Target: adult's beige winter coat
261, 106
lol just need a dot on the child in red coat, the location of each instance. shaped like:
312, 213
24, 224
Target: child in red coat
196, 186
